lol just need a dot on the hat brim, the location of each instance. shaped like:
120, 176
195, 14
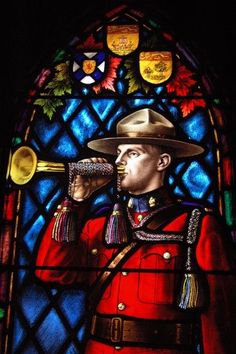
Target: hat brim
181, 148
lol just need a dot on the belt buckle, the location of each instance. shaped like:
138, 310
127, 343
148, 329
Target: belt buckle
116, 329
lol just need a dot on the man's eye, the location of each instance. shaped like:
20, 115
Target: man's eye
133, 154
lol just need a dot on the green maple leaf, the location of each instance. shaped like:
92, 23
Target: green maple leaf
135, 82
59, 88
49, 105
61, 83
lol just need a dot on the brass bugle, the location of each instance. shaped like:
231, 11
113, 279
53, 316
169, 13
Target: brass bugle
24, 164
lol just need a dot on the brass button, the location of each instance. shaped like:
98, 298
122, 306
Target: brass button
166, 255
121, 306
94, 251
55, 214
124, 273
140, 218
118, 348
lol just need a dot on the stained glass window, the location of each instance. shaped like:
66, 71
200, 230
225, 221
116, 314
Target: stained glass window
124, 61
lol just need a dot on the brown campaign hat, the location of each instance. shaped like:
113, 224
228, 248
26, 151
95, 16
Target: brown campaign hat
146, 126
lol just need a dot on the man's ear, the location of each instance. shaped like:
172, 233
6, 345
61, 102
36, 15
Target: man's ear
163, 162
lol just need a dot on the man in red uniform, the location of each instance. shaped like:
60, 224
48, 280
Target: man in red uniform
153, 261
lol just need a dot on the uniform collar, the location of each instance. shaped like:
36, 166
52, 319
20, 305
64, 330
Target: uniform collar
149, 201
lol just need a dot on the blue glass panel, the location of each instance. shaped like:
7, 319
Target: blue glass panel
71, 106
46, 130
33, 302
43, 187
211, 198
179, 167
64, 147
72, 350
120, 112
35, 145
51, 334
18, 333
54, 291
81, 333
120, 73
72, 303
210, 156
158, 89
174, 111
120, 87
85, 91
84, 126
134, 103
28, 209
101, 134
100, 201
103, 107
196, 126
178, 192
22, 274
171, 180
55, 197
31, 236
196, 181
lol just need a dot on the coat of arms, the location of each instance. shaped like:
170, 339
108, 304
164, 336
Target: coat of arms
89, 67
122, 39
155, 67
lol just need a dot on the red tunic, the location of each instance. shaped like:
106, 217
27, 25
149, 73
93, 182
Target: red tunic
148, 295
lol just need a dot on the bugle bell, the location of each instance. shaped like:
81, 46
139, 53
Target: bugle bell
24, 164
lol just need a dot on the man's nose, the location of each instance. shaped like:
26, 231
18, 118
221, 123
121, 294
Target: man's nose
120, 160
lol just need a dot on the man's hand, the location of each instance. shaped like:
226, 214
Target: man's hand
82, 186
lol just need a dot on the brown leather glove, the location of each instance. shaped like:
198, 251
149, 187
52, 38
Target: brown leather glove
83, 186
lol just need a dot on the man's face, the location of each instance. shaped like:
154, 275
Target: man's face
141, 172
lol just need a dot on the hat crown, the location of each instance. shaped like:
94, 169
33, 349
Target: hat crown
145, 122
146, 126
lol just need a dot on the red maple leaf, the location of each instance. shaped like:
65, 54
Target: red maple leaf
182, 82
188, 105
108, 81
90, 44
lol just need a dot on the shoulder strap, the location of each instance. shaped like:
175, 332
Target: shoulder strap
193, 290
165, 216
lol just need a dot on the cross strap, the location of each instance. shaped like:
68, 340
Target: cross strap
111, 269
121, 257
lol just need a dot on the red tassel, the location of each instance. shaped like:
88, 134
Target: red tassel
65, 226
116, 230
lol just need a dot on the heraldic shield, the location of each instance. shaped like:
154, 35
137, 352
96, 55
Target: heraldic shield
122, 39
155, 67
89, 67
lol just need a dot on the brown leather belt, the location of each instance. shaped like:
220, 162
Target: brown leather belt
149, 332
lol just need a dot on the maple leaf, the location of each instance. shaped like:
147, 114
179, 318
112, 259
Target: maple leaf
135, 82
61, 83
111, 75
49, 105
188, 105
62, 71
182, 82
90, 44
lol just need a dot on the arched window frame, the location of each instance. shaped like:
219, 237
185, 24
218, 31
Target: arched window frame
218, 122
